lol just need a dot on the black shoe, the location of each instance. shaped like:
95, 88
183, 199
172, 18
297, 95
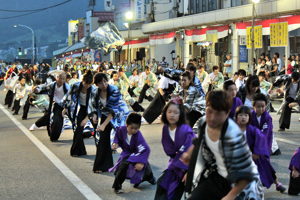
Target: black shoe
152, 181
87, 134
137, 107
149, 98
15, 113
136, 185
281, 129
276, 153
24, 118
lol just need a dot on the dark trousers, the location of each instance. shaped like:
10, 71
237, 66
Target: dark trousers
55, 130
155, 108
192, 117
215, 187
162, 194
104, 159
9, 98
285, 117
26, 108
143, 93
58, 121
122, 170
43, 121
130, 91
16, 106
78, 147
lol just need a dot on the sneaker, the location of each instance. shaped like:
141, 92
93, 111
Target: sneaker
280, 188
276, 153
281, 129
32, 127
118, 191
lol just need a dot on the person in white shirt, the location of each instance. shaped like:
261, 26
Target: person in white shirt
276, 55
228, 66
241, 80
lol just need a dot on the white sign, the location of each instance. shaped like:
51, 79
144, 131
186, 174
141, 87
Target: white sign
243, 40
139, 10
108, 5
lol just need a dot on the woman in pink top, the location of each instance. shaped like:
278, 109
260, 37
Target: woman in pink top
289, 68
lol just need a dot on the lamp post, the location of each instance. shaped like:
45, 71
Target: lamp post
252, 34
32, 61
129, 17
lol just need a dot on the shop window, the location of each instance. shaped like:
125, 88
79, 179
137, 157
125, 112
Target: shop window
204, 6
212, 5
240, 2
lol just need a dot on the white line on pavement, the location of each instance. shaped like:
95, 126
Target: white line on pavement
87, 192
287, 141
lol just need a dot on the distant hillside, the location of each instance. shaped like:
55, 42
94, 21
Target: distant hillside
49, 25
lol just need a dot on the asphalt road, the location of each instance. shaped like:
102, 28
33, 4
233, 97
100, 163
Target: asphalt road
32, 167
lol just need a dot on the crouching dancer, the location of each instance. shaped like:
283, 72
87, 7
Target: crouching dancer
133, 162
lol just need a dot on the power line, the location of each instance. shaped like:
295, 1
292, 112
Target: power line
31, 11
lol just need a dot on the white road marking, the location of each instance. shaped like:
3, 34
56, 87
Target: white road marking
287, 141
87, 192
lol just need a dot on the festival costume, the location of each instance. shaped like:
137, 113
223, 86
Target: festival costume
236, 102
294, 186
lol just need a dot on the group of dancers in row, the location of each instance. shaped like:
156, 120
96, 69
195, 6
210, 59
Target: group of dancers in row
219, 141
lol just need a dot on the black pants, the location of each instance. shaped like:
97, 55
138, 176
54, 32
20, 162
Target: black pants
26, 108
285, 117
155, 108
43, 121
55, 130
215, 187
16, 106
130, 91
9, 98
78, 147
122, 170
162, 194
192, 117
104, 159
143, 93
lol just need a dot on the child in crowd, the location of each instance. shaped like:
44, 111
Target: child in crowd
176, 139
133, 162
262, 120
20, 93
294, 186
241, 80
230, 87
259, 148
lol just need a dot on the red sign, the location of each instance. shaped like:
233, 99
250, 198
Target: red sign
80, 28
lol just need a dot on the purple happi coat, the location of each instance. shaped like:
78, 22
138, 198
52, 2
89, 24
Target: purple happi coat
295, 160
258, 145
236, 102
138, 152
176, 169
265, 126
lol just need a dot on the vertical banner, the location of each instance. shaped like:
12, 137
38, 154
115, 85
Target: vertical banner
243, 54
97, 56
257, 37
139, 10
212, 36
249, 36
80, 29
279, 34
71, 29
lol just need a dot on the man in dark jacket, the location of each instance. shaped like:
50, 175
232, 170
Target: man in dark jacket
291, 98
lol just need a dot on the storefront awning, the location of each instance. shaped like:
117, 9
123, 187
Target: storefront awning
293, 24
198, 35
165, 38
141, 43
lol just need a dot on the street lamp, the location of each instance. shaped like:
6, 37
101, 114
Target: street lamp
32, 40
129, 17
252, 40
